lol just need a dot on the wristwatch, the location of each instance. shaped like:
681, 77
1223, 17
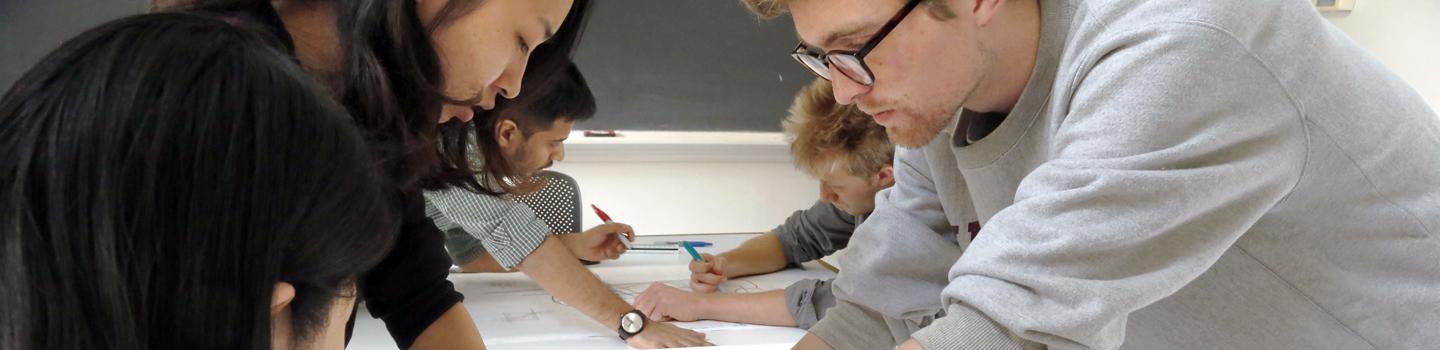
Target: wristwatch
631, 323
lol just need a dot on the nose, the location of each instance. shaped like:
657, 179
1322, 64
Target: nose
466, 113
509, 82
559, 154
845, 89
449, 111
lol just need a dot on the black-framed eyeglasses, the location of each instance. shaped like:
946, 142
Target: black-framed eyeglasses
850, 63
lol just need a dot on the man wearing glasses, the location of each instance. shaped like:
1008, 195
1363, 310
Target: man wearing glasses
1160, 174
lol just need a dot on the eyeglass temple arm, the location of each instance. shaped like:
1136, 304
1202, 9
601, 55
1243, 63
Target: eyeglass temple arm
884, 31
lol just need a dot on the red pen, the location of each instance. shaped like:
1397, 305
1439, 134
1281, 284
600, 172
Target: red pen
606, 219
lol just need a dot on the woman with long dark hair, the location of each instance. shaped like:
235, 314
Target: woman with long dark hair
404, 67
171, 181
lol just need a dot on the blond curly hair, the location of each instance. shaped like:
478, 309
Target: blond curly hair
823, 133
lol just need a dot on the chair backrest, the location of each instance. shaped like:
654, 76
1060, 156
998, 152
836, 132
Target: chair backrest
558, 203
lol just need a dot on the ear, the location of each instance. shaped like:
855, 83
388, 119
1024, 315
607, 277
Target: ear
281, 298
885, 177
508, 134
984, 11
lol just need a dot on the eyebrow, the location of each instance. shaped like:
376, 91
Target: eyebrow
848, 32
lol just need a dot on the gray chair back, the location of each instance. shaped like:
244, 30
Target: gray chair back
558, 203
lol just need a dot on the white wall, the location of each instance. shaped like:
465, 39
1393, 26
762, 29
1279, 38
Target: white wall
672, 183
1405, 34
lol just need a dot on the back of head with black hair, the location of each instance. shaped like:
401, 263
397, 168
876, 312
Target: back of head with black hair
556, 95
159, 174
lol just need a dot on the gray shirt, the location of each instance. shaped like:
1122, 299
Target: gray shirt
808, 235
1185, 175
816, 232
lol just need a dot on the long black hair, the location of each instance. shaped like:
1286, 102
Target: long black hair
392, 83
159, 175
393, 86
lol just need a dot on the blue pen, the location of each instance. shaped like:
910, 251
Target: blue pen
693, 254
696, 244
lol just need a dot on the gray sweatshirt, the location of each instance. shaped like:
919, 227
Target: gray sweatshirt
897, 261
813, 233
1225, 174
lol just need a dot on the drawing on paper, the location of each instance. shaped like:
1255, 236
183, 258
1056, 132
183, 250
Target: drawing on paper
512, 317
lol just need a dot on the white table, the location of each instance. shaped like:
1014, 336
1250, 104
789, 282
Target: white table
513, 312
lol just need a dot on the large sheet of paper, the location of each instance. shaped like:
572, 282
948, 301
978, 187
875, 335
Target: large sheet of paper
513, 312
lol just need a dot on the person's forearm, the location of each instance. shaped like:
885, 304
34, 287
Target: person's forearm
453, 330
560, 273
767, 308
484, 263
757, 255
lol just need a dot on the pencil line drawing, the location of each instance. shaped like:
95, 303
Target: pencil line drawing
512, 317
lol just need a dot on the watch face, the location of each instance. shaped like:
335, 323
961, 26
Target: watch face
632, 322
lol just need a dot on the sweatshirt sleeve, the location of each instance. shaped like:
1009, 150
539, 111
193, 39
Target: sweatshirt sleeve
506, 228
1176, 141
408, 289
898, 258
814, 233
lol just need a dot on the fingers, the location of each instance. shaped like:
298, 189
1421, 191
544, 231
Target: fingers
610, 248
601, 242
629, 232
697, 267
646, 302
706, 276
621, 247
665, 335
612, 245
719, 268
709, 278
703, 288
647, 308
705, 283
608, 228
706, 266
615, 227
657, 301
712, 265
616, 251
693, 338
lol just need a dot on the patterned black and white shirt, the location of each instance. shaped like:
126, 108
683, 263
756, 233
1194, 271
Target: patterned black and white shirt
475, 223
